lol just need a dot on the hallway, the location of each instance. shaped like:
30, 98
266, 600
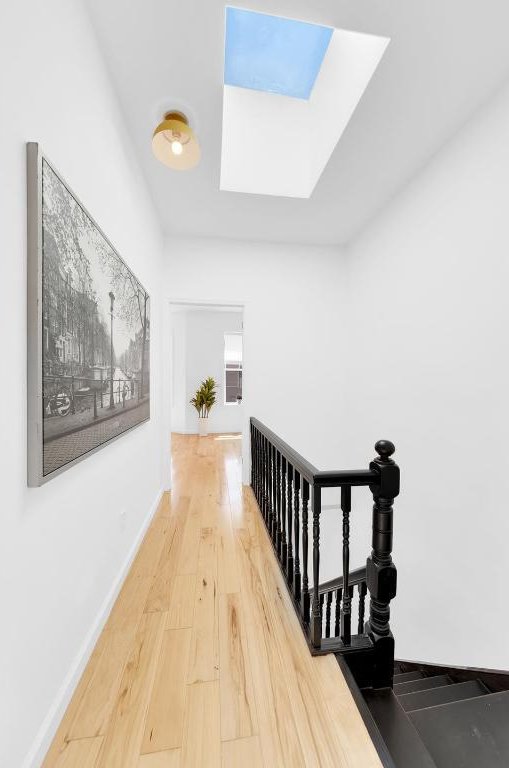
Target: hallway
202, 661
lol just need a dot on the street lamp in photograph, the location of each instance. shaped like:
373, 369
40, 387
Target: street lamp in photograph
112, 299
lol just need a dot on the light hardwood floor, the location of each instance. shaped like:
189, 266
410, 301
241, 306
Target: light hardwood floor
202, 661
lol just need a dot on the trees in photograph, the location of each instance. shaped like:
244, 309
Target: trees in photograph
129, 360
133, 308
77, 335
91, 370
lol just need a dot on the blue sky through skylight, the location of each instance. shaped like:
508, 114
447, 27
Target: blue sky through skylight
274, 54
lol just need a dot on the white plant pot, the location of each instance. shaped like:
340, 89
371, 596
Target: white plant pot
203, 426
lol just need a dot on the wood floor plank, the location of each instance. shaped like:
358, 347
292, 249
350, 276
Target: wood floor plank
61, 738
149, 552
181, 609
202, 738
164, 725
202, 661
242, 753
82, 753
238, 709
188, 555
166, 759
164, 509
92, 702
204, 657
94, 710
278, 735
127, 610
308, 709
228, 569
160, 593
122, 742
344, 724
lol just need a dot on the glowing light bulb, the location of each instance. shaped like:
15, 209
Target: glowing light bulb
176, 147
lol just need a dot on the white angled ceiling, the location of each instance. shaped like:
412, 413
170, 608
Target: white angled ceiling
444, 60
275, 145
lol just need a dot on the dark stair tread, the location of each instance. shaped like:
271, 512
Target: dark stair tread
445, 694
405, 677
473, 733
422, 685
403, 742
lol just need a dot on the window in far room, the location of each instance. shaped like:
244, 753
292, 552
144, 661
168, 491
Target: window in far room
232, 368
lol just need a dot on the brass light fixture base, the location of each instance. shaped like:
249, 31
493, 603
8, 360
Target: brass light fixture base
174, 143
174, 115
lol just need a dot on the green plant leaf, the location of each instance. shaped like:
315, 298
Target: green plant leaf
205, 397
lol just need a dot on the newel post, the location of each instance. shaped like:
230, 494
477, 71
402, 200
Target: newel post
380, 570
316, 615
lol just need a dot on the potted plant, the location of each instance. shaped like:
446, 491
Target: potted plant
203, 400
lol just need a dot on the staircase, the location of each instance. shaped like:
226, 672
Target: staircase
418, 716
433, 721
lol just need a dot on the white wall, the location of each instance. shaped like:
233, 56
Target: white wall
292, 297
420, 349
428, 320
63, 546
409, 327
409, 334
294, 361
178, 367
198, 352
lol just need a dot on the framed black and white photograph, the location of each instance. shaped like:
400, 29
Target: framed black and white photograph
88, 330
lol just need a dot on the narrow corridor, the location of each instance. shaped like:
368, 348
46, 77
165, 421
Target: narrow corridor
202, 661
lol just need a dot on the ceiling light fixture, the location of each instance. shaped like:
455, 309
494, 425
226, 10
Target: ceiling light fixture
174, 143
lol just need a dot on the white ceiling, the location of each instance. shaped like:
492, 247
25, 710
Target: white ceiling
445, 58
290, 160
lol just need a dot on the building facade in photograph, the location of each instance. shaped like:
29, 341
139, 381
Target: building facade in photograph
95, 333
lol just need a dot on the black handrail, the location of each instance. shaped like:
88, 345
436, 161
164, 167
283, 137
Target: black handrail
354, 577
303, 467
314, 476
288, 491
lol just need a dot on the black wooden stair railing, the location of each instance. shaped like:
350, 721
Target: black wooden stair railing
288, 491
336, 622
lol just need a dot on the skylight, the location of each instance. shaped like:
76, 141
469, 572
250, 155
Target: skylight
273, 144
274, 54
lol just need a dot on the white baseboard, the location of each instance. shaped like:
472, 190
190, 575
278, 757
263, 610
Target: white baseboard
210, 432
56, 712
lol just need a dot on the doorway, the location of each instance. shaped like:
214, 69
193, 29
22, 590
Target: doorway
207, 342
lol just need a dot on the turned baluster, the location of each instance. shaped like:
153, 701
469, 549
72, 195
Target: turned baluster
260, 474
346, 613
253, 461
269, 490
256, 462
258, 468
305, 551
362, 600
260, 471
264, 478
296, 529
284, 546
253, 458
328, 613
278, 504
337, 612
316, 619
289, 508
274, 495
267, 484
